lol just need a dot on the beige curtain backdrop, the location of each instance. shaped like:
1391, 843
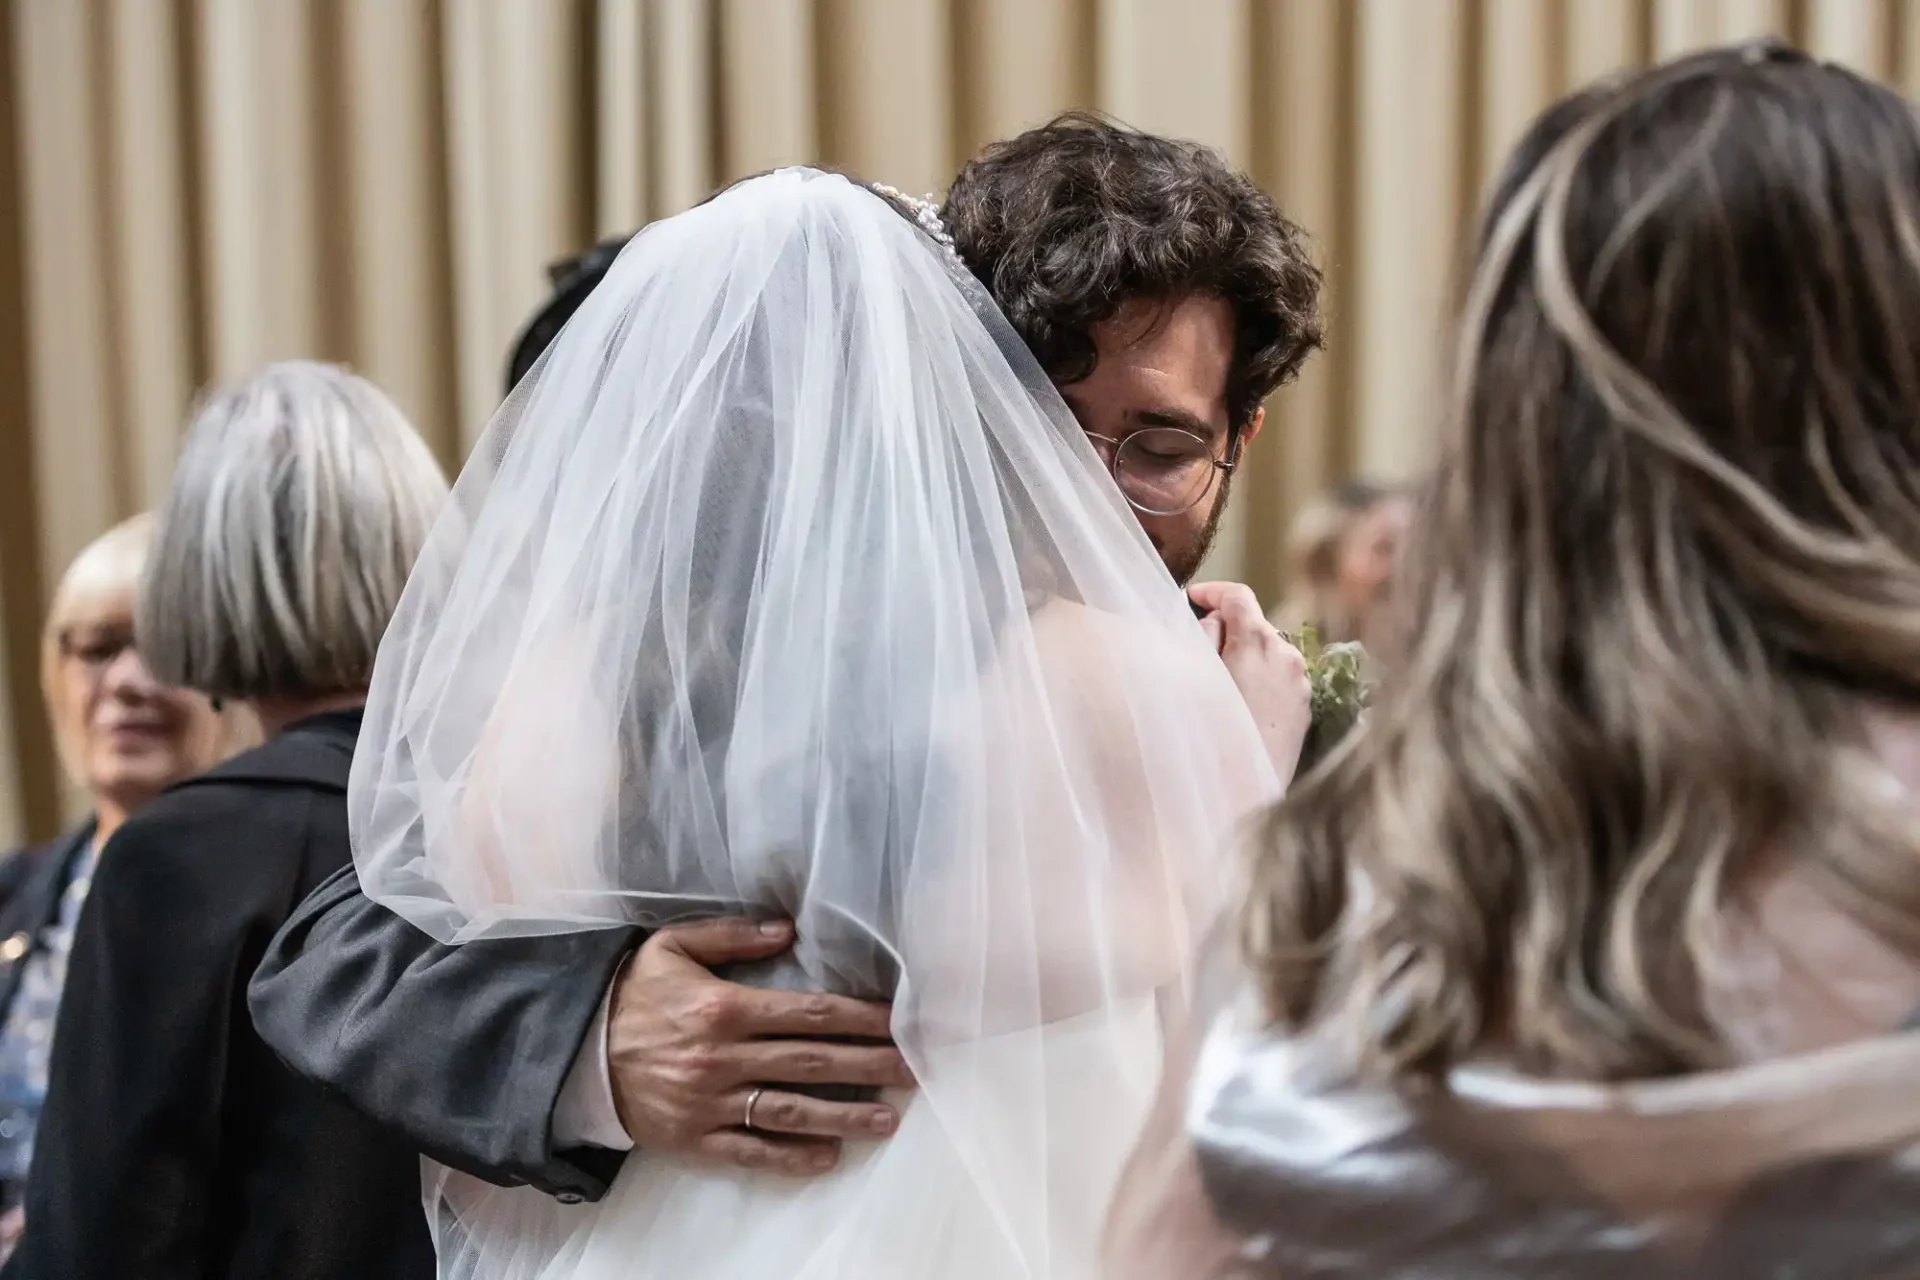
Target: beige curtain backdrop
190, 188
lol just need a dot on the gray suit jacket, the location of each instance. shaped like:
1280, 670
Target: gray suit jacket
461, 1050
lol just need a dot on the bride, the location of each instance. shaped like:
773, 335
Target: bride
787, 585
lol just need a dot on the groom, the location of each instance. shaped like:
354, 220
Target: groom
1163, 293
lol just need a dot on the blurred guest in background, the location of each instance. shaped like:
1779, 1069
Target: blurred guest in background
1340, 558
173, 1142
1592, 958
123, 737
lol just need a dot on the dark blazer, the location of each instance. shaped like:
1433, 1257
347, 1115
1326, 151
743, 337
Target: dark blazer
174, 1144
32, 882
463, 1050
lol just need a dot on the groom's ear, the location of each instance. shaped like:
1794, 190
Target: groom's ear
1245, 435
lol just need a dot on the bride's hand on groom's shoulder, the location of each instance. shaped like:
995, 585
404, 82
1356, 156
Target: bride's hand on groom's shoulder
687, 1052
1269, 672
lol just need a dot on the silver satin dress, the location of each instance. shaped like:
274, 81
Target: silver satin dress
1262, 1165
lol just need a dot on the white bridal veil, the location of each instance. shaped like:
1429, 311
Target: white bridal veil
787, 584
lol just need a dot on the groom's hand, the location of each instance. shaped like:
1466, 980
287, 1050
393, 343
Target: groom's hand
687, 1051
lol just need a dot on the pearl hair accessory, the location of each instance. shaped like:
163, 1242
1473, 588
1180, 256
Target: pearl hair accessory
926, 213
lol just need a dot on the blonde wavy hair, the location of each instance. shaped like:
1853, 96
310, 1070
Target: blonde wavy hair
1672, 547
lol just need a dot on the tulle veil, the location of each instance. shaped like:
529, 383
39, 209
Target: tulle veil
787, 584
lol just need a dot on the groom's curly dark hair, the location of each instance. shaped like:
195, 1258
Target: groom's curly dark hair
1066, 222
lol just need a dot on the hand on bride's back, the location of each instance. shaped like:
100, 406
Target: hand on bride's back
687, 1051
1269, 672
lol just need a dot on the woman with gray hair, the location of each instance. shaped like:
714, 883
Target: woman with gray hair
173, 1142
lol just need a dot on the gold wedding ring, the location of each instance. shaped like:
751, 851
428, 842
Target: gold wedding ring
751, 1099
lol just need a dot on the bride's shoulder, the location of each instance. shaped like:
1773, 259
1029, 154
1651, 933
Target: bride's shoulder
1103, 658
1068, 626
1087, 633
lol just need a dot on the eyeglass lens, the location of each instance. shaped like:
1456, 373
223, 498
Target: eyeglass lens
1164, 470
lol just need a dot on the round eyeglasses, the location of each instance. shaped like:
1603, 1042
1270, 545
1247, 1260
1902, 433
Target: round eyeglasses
1162, 471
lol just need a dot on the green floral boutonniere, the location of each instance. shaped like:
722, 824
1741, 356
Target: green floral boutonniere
1337, 675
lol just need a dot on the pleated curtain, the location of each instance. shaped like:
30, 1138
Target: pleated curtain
191, 188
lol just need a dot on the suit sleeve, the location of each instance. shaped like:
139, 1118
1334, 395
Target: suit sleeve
462, 1050
129, 1139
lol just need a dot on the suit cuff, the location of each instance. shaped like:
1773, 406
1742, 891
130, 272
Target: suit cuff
584, 1115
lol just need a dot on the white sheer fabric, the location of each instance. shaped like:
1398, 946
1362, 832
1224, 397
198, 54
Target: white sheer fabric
787, 584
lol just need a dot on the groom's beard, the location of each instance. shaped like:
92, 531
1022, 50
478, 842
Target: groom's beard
1184, 561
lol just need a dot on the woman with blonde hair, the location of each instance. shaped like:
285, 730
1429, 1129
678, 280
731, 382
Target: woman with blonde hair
174, 1142
123, 737
1340, 557
1592, 956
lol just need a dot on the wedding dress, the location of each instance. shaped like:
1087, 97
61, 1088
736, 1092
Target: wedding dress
909, 1207
787, 584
